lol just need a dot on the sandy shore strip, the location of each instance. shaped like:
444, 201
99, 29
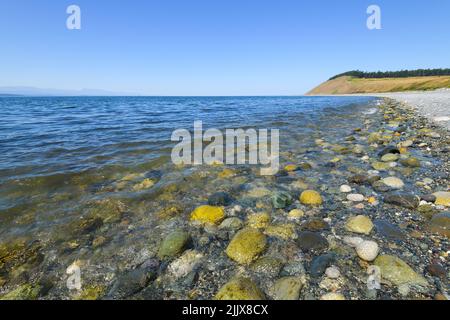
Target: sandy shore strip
435, 105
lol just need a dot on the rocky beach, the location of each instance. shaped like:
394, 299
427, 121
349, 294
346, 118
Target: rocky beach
359, 211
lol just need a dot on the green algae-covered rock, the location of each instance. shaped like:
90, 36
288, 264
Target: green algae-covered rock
246, 245
281, 200
287, 288
398, 272
173, 244
24, 292
240, 289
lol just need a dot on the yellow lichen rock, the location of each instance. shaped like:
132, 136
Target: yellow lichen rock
311, 197
208, 214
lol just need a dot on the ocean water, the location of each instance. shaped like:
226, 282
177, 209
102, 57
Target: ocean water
57, 153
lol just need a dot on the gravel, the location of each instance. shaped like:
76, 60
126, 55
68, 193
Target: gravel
434, 105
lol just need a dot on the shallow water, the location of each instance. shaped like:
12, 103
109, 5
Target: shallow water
57, 151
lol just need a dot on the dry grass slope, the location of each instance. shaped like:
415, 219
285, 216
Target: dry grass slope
348, 85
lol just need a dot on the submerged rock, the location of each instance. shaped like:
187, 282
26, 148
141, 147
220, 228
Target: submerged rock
283, 231
367, 250
311, 197
440, 224
359, 224
173, 244
311, 241
130, 283
208, 214
321, 263
332, 296
399, 272
246, 245
388, 230
268, 266
23, 292
259, 220
410, 162
281, 200
402, 199
442, 198
185, 264
232, 223
393, 182
287, 288
240, 289
389, 157
220, 199
389, 149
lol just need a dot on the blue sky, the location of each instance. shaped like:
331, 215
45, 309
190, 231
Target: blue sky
214, 47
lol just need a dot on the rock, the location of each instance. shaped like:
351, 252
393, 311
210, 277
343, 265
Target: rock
388, 230
358, 179
267, 266
359, 224
440, 224
220, 199
287, 288
321, 263
259, 220
173, 245
308, 241
410, 162
402, 199
169, 212
291, 167
258, 193
232, 223
281, 200
367, 250
227, 173
246, 245
352, 241
332, 273
91, 293
333, 296
315, 224
345, 188
295, 214
442, 198
388, 149
405, 144
208, 215
398, 272
437, 270
145, 184
23, 292
240, 289
130, 282
389, 157
380, 186
381, 166
354, 197
393, 182
185, 264
311, 197
283, 231
428, 198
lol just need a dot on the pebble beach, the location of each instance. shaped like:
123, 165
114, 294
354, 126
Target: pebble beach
359, 213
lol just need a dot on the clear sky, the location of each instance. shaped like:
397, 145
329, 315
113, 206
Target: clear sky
214, 47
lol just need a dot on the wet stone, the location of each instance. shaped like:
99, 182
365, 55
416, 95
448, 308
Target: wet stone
428, 198
268, 266
388, 230
287, 288
321, 263
311, 241
440, 224
402, 199
131, 282
240, 289
173, 245
315, 224
388, 149
437, 270
281, 200
220, 199
358, 179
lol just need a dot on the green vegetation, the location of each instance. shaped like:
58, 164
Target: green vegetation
394, 74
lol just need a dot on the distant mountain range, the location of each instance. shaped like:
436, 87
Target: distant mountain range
32, 91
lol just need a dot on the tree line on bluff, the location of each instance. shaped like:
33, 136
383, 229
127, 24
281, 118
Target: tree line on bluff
395, 74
